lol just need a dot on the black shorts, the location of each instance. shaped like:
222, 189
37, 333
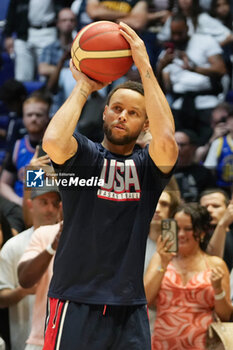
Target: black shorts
74, 326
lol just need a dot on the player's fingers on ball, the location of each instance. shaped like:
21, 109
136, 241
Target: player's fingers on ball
72, 66
128, 29
125, 27
105, 84
126, 36
71, 63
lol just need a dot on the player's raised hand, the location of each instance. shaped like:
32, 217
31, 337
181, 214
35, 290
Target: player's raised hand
137, 46
91, 84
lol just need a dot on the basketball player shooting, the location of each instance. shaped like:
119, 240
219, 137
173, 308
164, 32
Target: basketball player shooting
96, 296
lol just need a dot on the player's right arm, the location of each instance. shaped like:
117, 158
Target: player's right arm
58, 140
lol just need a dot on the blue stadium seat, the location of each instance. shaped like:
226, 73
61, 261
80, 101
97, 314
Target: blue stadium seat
4, 121
3, 9
7, 68
229, 96
33, 85
3, 13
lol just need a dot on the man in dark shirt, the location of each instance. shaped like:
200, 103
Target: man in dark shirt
97, 286
192, 178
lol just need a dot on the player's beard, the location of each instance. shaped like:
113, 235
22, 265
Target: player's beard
120, 140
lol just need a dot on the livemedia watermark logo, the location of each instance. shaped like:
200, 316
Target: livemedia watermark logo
39, 179
35, 178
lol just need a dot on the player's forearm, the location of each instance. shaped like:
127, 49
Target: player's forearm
157, 107
10, 297
57, 139
31, 271
163, 147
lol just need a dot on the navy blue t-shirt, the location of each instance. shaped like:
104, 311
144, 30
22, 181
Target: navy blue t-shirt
100, 257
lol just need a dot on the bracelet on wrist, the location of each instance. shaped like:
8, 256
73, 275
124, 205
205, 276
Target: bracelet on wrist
220, 296
160, 269
50, 250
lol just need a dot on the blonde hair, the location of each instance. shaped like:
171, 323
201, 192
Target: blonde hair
37, 99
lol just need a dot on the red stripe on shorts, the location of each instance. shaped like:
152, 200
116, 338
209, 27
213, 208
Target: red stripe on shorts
55, 307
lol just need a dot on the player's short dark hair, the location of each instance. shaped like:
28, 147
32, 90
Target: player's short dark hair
129, 84
215, 190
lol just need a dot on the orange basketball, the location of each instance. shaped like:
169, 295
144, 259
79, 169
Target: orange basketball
101, 52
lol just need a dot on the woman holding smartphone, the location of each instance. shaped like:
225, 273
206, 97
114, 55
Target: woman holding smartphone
188, 286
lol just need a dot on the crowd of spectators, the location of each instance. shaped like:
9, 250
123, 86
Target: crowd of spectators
190, 45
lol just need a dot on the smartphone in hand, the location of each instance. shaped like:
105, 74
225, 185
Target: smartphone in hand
41, 152
169, 229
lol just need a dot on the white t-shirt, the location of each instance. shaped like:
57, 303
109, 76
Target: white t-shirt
20, 313
40, 239
205, 4
205, 25
199, 49
215, 150
41, 12
212, 156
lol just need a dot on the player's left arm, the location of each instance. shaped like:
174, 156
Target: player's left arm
163, 148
